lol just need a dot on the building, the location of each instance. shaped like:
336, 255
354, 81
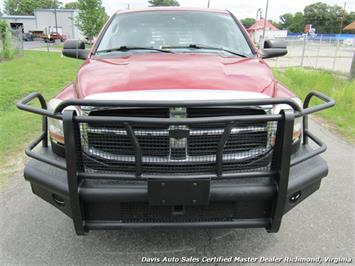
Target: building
351, 26
47, 20
271, 32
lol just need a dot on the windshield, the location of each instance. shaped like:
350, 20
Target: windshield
178, 31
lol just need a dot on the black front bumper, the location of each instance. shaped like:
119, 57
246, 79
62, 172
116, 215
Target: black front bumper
250, 198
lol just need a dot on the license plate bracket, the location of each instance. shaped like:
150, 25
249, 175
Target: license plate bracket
170, 192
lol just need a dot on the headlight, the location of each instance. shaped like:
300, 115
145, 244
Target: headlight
55, 126
297, 126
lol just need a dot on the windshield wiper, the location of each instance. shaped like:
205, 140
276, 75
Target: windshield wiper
201, 46
126, 48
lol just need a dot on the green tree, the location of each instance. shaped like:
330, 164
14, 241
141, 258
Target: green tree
91, 18
72, 5
325, 18
11, 7
292, 22
286, 20
275, 23
5, 39
247, 22
348, 18
4, 28
163, 3
26, 7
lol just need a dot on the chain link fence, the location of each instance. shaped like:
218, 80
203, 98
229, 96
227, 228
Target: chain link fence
320, 52
17, 41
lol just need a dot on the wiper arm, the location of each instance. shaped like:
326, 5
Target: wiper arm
201, 46
126, 48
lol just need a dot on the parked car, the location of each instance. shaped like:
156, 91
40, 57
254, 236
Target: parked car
175, 120
349, 42
53, 36
28, 37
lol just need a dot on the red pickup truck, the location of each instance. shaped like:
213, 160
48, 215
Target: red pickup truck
53, 36
175, 120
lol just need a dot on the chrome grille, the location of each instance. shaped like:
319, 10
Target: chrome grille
175, 150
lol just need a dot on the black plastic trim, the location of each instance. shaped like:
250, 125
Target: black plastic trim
58, 148
241, 223
283, 164
71, 130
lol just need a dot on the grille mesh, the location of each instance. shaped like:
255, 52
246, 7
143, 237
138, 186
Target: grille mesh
141, 212
173, 150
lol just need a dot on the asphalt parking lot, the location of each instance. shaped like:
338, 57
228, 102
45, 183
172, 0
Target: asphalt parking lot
30, 45
33, 232
40, 45
320, 57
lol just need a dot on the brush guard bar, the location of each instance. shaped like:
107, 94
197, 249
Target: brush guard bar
279, 169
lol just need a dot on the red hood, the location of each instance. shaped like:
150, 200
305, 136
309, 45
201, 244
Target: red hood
174, 71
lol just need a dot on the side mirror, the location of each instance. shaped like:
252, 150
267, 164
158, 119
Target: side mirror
75, 49
273, 48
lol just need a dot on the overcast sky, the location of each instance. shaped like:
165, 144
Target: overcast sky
241, 8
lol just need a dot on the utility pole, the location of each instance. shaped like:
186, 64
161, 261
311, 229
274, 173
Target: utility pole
208, 4
56, 22
266, 10
352, 69
342, 19
257, 14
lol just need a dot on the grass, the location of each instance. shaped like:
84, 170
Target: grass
37, 71
302, 81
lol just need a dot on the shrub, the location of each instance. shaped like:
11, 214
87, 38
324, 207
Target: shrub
6, 51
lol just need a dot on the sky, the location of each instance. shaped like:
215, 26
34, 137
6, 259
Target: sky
240, 8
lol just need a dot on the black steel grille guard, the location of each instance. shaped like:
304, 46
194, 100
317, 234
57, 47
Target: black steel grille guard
279, 170
128, 122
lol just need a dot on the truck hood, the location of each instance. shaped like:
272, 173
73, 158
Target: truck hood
156, 71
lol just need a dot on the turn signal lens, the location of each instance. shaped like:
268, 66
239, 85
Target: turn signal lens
297, 125
55, 126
